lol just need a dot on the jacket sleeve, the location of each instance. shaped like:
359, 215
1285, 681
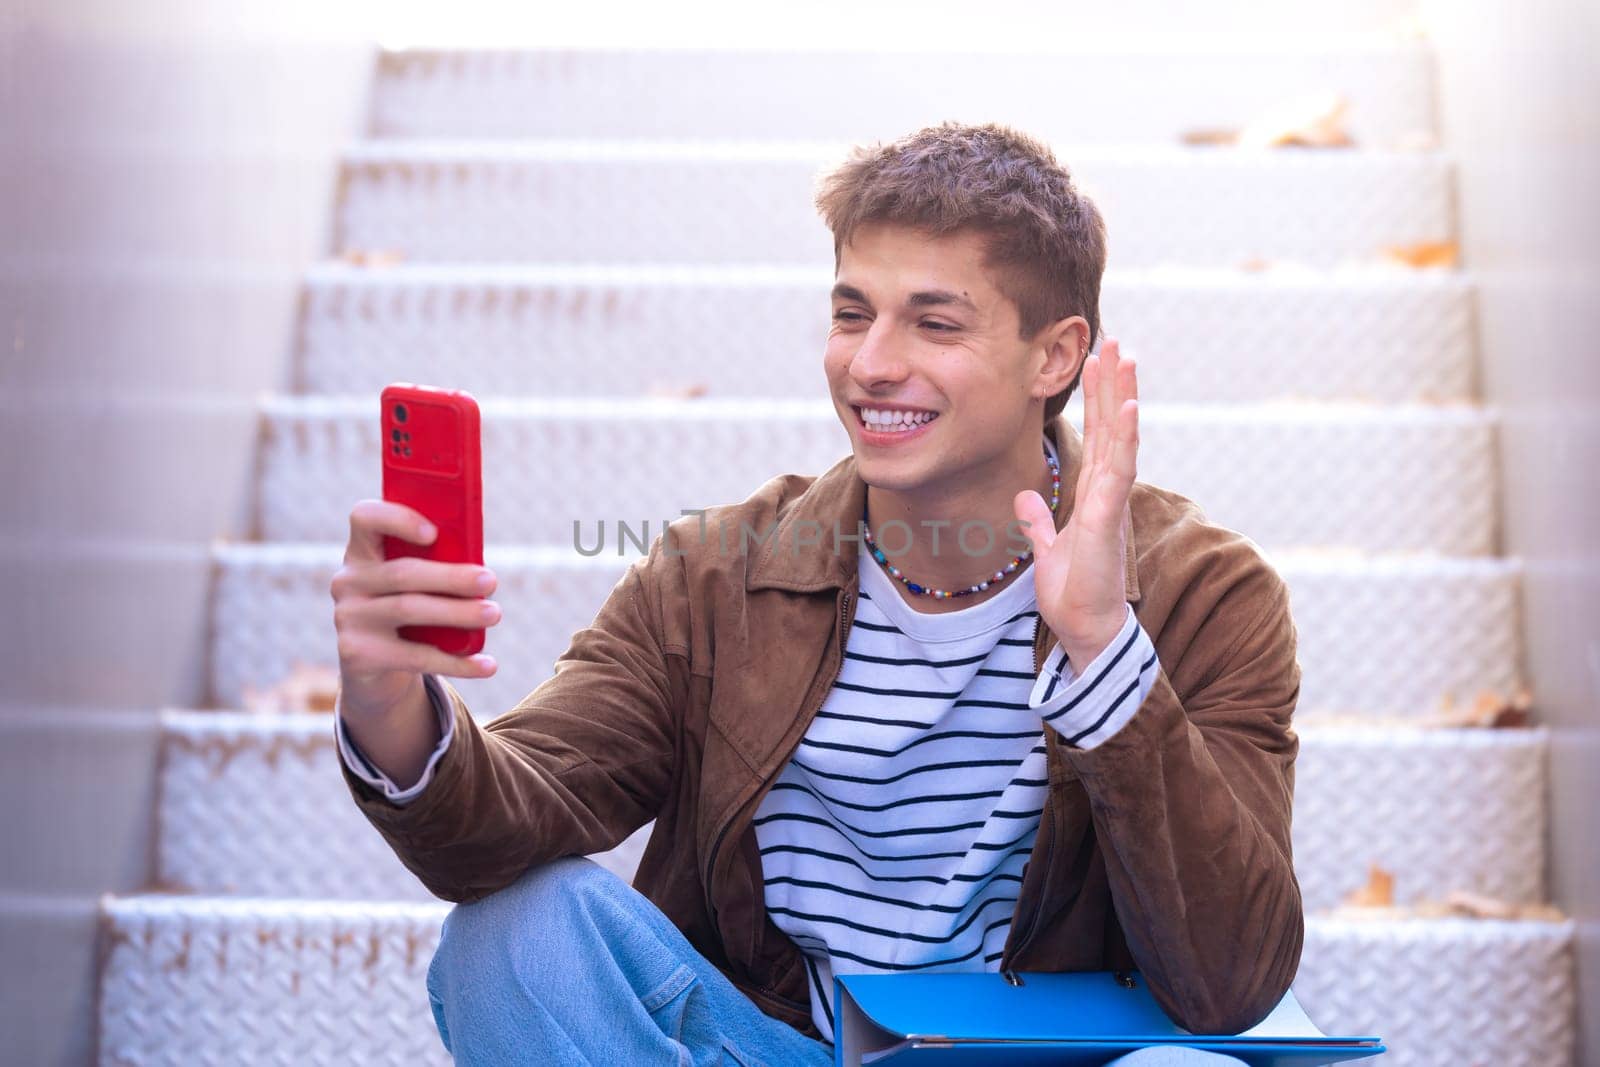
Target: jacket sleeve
1191, 801
574, 768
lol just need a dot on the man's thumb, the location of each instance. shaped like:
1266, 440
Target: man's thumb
1040, 531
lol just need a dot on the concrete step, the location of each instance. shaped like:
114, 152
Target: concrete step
197, 980
828, 93
1362, 476
1389, 635
1201, 336
728, 202
1440, 809
254, 804
193, 981
927, 24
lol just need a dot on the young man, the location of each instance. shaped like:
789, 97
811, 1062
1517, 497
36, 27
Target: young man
877, 730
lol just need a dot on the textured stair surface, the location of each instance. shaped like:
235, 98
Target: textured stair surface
1383, 334
255, 805
1440, 809
751, 202
215, 981
855, 95
1382, 635
1490, 993
208, 982
1360, 476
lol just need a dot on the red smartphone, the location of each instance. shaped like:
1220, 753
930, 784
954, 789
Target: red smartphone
433, 462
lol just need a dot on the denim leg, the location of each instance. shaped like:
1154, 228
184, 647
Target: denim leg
571, 965
1175, 1056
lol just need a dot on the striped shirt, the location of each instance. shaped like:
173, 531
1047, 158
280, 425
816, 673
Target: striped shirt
895, 837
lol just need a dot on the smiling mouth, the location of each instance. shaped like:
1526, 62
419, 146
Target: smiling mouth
881, 421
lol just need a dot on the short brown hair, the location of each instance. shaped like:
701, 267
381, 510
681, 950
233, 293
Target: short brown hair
1046, 240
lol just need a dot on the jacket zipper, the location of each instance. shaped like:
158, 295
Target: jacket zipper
1049, 845
845, 616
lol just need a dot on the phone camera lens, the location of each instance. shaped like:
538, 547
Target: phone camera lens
394, 435
399, 413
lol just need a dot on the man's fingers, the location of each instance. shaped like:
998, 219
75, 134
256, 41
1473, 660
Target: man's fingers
372, 654
1091, 413
371, 520
425, 659
1125, 452
1106, 394
408, 574
426, 609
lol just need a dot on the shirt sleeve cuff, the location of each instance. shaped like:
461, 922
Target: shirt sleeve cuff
363, 769
1087, 709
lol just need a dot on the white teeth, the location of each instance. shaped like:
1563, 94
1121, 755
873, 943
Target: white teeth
895, 421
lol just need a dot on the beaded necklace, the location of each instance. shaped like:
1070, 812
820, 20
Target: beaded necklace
998, 576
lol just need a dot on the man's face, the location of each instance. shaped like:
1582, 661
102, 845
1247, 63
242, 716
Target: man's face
923, 360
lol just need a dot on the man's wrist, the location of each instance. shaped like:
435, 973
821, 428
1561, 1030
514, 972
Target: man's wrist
1080, 653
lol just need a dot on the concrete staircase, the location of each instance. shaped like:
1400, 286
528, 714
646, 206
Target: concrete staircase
615, 250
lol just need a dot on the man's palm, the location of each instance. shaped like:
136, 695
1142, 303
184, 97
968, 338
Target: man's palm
1077, 572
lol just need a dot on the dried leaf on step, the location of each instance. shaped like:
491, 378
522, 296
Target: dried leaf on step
1478, 905
1423, 254
1305, 122
307, 687
383, 257
1492, 710
1377, 893
1461, 902
1209, 137
678, 392
1457, 904
1489, 710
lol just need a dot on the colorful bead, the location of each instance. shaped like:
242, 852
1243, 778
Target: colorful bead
999, 576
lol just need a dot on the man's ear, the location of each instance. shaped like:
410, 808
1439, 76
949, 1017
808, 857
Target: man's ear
1064, 345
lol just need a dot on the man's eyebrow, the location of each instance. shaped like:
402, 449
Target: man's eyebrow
925, 298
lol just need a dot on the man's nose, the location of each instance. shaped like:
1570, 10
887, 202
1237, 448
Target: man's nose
879, 359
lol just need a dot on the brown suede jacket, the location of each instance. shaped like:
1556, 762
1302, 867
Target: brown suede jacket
1164, 849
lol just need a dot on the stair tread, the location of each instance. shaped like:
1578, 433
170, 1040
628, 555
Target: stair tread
253, 802
739, 201
180, 906
194, 979
1403, 477
1457, 616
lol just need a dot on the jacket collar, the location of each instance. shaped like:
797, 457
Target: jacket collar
836, 500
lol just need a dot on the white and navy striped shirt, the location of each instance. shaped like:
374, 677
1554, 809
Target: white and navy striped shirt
895, 837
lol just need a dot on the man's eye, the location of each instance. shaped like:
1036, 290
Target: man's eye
849, 316
941, 325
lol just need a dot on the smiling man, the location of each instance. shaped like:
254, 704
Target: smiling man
1011, 710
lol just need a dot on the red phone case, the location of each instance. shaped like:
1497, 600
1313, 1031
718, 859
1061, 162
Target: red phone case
433, 462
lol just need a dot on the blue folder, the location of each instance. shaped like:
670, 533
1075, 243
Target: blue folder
1079, 1019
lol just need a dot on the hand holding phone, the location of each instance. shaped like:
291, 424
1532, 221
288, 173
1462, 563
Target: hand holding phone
432, 463
410, 598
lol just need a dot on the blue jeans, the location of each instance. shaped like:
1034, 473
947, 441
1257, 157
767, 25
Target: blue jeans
571, 965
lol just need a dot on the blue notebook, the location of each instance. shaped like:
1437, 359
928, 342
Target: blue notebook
1080, 1019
